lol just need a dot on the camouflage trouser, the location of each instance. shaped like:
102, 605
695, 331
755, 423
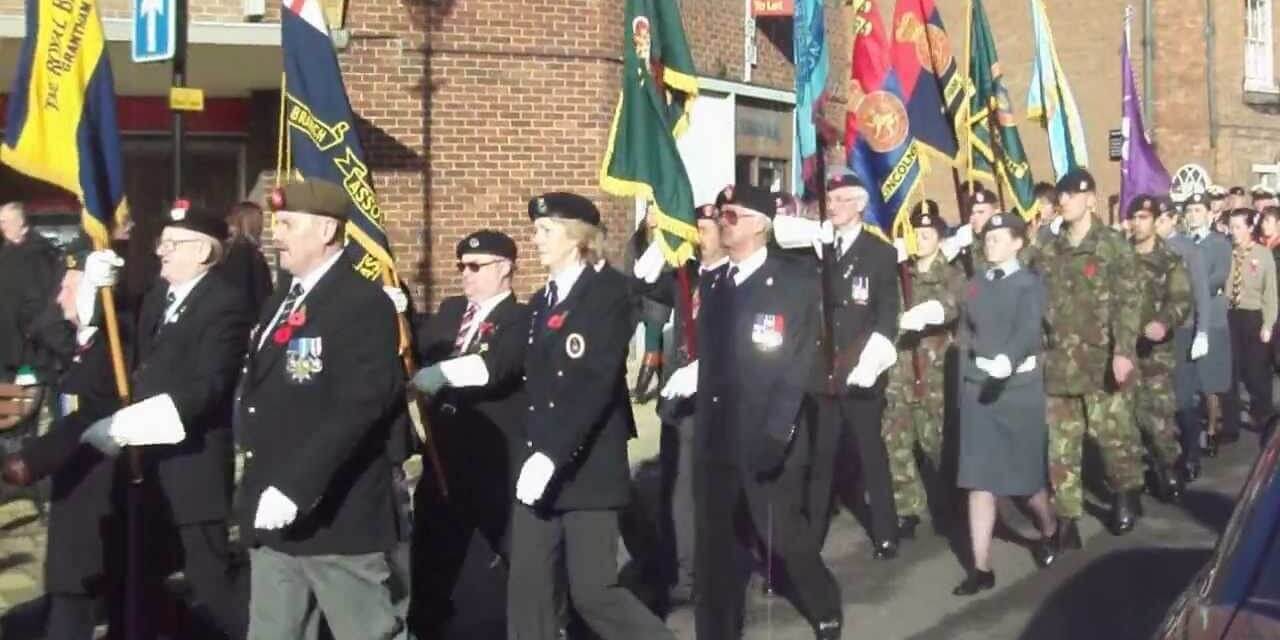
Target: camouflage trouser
1153, 409
1108, 419
909, 422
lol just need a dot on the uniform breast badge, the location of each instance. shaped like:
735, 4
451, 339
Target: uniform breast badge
303, 359
575, 346
861, 289
767, 331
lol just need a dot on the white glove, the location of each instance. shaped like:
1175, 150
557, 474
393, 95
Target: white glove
649, 266
98, 436
683, 383
152, 421
275, 510
102, 269
429, 380
827, 232
1200, 345
1055, 227
922, 315
534, 476
793, 232
998, 367
877, 356
86, 303
952, 246
901, 246
398, 298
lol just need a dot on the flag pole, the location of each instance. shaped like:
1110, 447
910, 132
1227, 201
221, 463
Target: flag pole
967, 108
997, 153
828, 269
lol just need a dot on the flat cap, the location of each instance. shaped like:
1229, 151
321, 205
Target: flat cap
1006, 220
1143, 202
927, 214
198, 219
841, 177
750, 197
1077, 180
314, 196
488, 242
564, 205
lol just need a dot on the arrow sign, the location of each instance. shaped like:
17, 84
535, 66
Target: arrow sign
154, 30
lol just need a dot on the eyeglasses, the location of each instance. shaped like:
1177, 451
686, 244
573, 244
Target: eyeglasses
165, 245
731, 216
475, 267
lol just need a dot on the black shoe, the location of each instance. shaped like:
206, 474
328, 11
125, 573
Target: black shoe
1124, 512
976, 582
1046, 550
1210, 448
907, 527
1190, 471
1171, 486
885, 550
1068, 535
828, 629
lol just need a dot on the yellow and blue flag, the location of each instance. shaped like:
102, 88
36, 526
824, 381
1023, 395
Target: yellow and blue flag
62, 125
1051, 102
323, 142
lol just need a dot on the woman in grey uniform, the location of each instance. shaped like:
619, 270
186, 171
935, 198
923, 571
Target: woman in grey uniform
1003, 434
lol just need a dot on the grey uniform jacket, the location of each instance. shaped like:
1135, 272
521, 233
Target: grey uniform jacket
1186, 249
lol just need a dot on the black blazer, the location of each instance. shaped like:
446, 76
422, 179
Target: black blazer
480, 425
865, 300
579, 411
195, 359
758, 346
314, 415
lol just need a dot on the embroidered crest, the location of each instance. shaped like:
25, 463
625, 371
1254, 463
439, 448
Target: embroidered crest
575, 346
303, 359
767, 331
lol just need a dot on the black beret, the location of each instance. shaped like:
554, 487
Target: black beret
314, 196
198, 219
490, 242
1143, 202
1011, 221
750, 197
982, 196
1165, 206
705, 212
927, 214
564, 205
1199, 197
841, 177
786, 204
1236, 191
1077, 180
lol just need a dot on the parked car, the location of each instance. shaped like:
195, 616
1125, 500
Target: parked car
1237, 594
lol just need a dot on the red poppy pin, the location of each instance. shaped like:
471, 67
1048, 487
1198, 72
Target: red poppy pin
486, 329
1090, 269
295, 321
556, 321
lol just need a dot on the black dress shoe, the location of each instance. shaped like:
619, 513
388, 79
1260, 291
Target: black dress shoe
907, 527
1124, 513
1171, 486
976, 582
1046, 550
1210, 448
1068, 535
828, 629
885, 550
1190, 471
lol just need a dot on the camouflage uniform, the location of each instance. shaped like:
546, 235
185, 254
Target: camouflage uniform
911, 420
1090, 317
1167, 300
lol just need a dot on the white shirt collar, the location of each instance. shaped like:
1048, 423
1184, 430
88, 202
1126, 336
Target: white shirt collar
1009, 267
750, 265
565, 280
309, 281
180, 293
482, 311
848, 236
714, 265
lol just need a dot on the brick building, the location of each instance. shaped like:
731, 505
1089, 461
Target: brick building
469, 107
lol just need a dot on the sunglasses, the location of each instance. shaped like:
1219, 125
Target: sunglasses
475, 267
731, 216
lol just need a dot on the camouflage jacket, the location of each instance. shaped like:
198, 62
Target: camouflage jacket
943, 282
1166, 299
1090, 311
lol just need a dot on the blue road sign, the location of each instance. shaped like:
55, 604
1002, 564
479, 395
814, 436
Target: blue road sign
155, 31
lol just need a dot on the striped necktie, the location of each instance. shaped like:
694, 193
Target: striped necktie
1237, 276
464, 330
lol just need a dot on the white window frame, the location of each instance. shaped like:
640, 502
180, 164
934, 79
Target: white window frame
1259, 47
1268, 175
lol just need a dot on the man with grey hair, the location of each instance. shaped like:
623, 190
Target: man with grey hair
28, 274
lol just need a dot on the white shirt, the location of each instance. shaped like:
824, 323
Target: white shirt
714, 265
1009, 267
847, 236
180, 293
307, 282
749, 266
565, 280
482, 312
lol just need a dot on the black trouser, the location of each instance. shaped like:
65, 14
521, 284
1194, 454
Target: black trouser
1251, 365
849, 428
678, 525
219, 592
732, 520
71, 616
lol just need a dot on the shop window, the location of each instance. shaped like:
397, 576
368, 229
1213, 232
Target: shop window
1259, 47
767, 173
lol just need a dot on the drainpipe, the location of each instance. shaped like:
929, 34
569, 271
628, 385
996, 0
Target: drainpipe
748, 39
1210, 72
1148, 55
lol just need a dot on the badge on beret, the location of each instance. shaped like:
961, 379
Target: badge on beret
541, 204
925, 221
728, 193
575, 346
179, 211
997, 220
475, 243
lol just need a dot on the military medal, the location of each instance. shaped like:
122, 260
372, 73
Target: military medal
861, 289
575, 345
767, 331
303, 359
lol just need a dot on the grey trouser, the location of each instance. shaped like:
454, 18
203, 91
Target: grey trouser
350, 592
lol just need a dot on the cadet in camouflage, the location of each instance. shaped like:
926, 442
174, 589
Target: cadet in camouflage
1092, 333
1166, 303
916, 393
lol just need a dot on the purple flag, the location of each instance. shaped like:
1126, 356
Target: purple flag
1140, 169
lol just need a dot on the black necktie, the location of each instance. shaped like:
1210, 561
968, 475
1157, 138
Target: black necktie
553, 297
733, 276
839, 247
997, 274
169, 299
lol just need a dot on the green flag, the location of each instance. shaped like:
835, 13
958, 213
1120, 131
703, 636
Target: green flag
1002, 160
658, 87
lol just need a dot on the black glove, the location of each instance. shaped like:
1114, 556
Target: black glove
769, 454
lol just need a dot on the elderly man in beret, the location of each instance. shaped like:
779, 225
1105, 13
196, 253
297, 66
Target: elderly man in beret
318, 397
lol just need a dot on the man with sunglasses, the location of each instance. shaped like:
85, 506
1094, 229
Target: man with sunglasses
474, 348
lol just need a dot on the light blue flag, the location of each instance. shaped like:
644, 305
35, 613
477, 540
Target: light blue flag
1051, 102
810, 49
